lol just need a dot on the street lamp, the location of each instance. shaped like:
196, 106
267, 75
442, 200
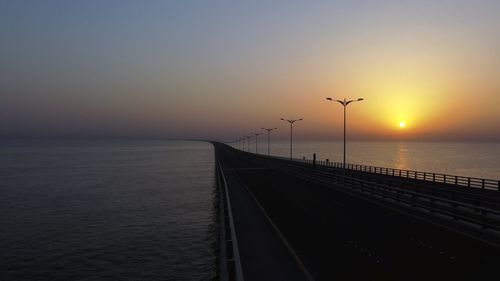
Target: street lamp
344, 103
269, 139
291, 121
256, 140
248, 143
242, 143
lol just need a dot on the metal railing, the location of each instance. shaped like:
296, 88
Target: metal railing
425, 176
481, 183
230, 265
484, 217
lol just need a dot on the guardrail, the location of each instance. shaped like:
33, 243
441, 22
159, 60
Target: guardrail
426, 176
417, 175
230, 264
484, 217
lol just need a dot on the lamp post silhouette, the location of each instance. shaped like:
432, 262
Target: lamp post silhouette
344, 103
248, 143
291, 121
256, 140
243, 143
269, 139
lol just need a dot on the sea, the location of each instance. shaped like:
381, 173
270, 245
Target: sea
107, 210
146, 209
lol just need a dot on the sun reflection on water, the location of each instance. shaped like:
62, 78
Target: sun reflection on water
402, 157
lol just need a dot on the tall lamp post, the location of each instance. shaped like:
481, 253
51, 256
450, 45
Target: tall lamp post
243, 139
248, 143
344, 103
269, 139
256, 140
291, 121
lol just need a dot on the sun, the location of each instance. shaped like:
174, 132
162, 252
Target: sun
402, 124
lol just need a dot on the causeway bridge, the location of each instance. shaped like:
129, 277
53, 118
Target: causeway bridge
306, 220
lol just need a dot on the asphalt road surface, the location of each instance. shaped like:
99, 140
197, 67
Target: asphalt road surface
324, 234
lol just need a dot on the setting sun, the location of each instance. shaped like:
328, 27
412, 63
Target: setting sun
402, 124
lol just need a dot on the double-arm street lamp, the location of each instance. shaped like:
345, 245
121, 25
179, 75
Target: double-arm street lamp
344, 103
291, 121
269, 139
256, 140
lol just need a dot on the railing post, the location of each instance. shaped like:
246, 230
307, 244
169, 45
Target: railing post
433, 177
482, 184
444, 178
456, 180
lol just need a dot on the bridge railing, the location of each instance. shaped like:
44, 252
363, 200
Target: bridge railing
410, 174
484, 217
481, 183
426, 176
230, 264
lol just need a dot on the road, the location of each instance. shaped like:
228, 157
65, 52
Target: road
333, 235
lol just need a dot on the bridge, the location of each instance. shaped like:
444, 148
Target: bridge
306, 220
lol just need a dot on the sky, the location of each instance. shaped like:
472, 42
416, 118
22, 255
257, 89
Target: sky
427, 70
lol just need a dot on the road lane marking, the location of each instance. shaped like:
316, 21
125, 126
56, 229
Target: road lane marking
280, 235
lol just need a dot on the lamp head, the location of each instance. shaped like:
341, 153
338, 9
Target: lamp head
329, 98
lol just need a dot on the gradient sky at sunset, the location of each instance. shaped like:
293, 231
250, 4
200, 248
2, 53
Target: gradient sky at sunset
220, 69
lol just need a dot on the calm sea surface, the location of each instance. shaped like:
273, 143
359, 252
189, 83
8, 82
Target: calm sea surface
107, 210
465, 159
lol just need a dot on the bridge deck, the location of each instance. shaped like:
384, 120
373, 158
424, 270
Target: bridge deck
337, 235
264, 254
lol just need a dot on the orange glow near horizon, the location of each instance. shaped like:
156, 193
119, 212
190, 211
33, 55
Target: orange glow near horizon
234, 69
